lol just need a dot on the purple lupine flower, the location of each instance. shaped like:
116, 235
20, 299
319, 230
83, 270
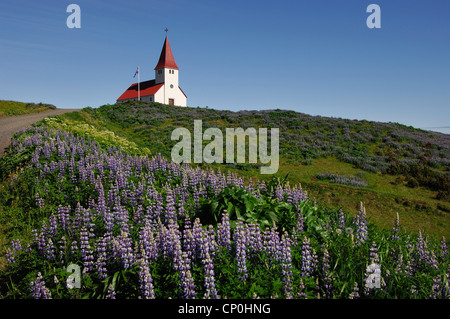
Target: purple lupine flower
271, 241
108, 220
196, 198
101, 251
197, 234
113, 195
121, 216
185, 276
208, 267
170, 211
279, 193
202, 243
62, 215
72, 170
301, 290
100, 265
146, 281
374, 253
361, 226
286, 265
38, 289
422, 255
39, 201
224, 232
396, 229
189, 244
16, 245
400, 265
74, 247
432, 260
409, 269
124, 249
307, 258
148, 242
262, 187
255, 241
159, 207
289, 195
164, 240
49, 250
299, 226
211, 241
9, 256
38, 240
327, 280
86, 252
443, 252
50, 229
240, 239
177, 252
101, 202
341, 219
181, 208
62, 249
11, 252
355, 293
110, 294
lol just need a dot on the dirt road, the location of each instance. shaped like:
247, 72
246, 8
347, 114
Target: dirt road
9, 125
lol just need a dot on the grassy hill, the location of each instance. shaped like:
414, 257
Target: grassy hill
90, 189
10, 108
402, 169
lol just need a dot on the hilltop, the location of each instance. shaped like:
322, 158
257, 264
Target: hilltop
9, 108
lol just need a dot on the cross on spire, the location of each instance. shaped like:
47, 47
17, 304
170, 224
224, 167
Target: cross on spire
166, 30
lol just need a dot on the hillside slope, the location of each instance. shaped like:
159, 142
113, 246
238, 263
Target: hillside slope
75, 195
11, 108
390, 167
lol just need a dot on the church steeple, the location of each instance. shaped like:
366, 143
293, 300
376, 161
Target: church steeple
166, 59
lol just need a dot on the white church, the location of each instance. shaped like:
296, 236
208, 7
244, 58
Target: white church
164, 88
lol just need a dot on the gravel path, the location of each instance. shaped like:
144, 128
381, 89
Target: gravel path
9, 125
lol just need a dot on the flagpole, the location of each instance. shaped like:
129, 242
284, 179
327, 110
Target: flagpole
139, 86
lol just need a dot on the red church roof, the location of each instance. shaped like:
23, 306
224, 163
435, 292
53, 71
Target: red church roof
146, 88
166, 60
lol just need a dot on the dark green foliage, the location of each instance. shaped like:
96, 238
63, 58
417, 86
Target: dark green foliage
419, 174
240, 204
9, 164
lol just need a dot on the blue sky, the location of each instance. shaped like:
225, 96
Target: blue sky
316, 56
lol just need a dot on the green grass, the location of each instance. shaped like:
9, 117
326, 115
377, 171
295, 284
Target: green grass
11, 108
